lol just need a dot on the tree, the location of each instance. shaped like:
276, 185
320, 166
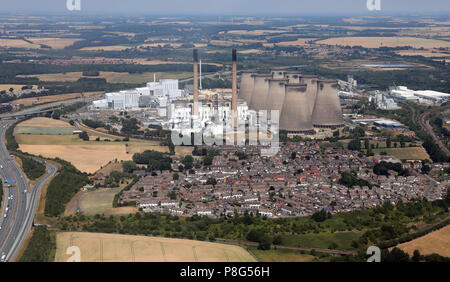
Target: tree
129, 166
388, 141
188, 161
83, 135
175, 176
211, 181
354, 145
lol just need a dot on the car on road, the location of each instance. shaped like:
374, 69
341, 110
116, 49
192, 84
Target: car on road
3, 259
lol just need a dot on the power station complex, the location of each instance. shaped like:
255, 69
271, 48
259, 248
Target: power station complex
303, 102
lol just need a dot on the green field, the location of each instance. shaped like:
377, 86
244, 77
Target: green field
98, 201
281, 255
35, 130
322, 240
407, 153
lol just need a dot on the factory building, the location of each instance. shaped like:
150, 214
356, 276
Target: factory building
402, 93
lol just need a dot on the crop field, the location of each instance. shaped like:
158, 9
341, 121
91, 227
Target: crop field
87, 158
54, 98
17, 43
100, 247
106, 48
44, 122
43, 126
111, 77
54, 43
377, 42
6, 87
435, 242
298, 42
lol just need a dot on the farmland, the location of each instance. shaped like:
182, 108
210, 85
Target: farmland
99, 247
53, 98
436, 242
377, 42
111, 77
407, 153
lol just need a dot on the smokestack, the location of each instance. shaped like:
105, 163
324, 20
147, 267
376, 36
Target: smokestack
234, 88
195, 106
293, 76
260, 92
246, 87
295, 115
311, 81
327, 111
276, 93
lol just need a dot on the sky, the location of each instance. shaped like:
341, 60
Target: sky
227, 7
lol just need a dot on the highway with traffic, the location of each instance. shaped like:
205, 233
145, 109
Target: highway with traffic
19, 203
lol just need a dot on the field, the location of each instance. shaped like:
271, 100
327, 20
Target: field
6, 87
99, 247
98, 201
106, 48
17, 43
298, 42
281, 255
42, 126
407, 153
322, 240
54, 98
377, 42
111, 77
54, 43
435, 242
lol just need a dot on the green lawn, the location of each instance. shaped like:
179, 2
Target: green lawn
43, 130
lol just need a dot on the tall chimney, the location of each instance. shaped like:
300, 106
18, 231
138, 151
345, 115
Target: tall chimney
195, 106
234, 88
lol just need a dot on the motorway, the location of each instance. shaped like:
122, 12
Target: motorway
19, 202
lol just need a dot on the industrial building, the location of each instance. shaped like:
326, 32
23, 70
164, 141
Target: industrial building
402, 93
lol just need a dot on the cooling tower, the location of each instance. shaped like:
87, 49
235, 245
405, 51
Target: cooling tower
195, 107
246, 87
293, 76
327, 109
311, 82
276, 93
260, 92
295, 115
277, 73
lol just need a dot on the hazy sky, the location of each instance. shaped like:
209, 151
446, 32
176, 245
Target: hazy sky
252, 7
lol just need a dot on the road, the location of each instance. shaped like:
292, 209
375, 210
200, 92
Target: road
19, 202
427, 127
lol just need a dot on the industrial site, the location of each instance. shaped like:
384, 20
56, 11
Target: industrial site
224, 138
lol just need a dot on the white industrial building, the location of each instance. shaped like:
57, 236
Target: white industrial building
384, 102
162, 91
402, 93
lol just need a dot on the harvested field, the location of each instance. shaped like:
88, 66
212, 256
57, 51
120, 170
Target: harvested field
36, 130
377, 42
111, 77
55, 43
44, 122
6, 87
424, 53
99, 247
106, 48
435, 242
87, 158
54, 98
255, 32
17, 43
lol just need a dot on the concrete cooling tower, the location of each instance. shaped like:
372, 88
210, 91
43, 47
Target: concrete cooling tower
311, 82
293, 76
246, 87
260, 92
276, 93
327, 111
277, 73
295, 117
